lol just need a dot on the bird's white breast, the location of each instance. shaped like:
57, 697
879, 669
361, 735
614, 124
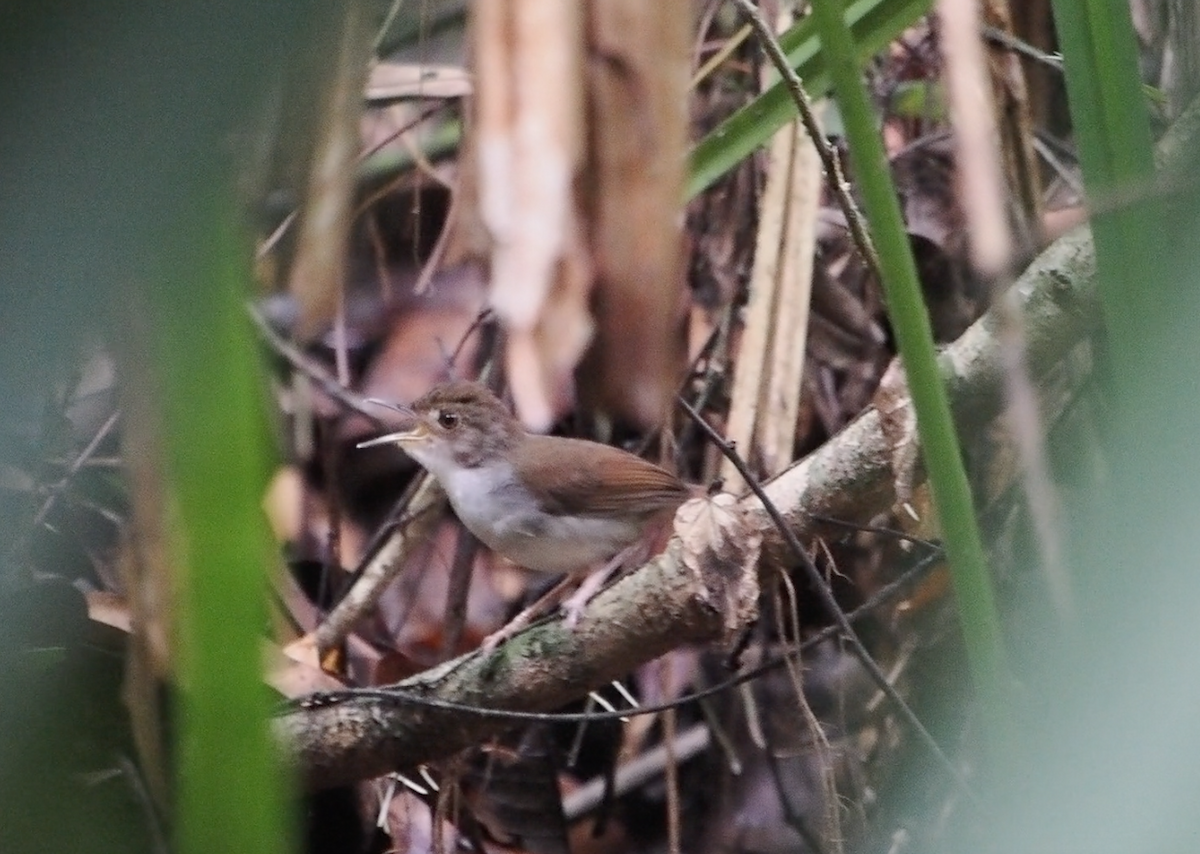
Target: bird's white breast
501, 512
486, 496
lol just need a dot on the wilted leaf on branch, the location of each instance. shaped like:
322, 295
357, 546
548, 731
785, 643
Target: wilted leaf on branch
721, 547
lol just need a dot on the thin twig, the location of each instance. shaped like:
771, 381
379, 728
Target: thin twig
638, 771
714, 354
880, 530
831, 824
792, 816
275, 236
74, 468
331, 565
731, 44
706, 354
434, 262
829, 159
1061, 170
671, 767
486, 315
302, 363
280, 230
825, 594
458, 588
137, 786
1024, 48
382, 567
394, 134
388, 20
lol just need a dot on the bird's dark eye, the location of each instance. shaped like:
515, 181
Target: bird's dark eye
448, 420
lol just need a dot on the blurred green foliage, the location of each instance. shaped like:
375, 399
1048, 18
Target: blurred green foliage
123, 126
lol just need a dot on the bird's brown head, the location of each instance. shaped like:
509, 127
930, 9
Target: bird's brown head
458, 423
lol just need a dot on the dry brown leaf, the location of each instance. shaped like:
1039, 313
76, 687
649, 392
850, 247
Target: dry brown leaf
721, 547
294, 671
423, 333
304, 651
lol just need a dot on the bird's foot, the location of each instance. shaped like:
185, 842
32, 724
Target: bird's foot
575, 604
505, 632
527, 616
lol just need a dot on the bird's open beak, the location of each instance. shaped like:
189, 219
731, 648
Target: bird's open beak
412, 431
400, 437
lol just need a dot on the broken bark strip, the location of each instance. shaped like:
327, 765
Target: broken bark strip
660, 606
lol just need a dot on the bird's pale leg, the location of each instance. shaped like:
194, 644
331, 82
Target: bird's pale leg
527, 616
575, 604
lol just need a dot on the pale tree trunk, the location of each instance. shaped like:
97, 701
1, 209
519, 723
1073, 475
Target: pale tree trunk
573, 196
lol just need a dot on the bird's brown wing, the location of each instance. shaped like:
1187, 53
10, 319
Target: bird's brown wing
600, 479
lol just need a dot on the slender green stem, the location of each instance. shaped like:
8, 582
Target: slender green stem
1112, 128
906, 308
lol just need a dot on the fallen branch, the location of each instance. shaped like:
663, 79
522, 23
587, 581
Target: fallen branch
665, 604
641, 617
